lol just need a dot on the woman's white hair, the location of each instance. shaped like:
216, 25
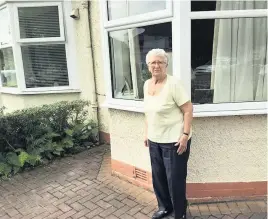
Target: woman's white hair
157, 52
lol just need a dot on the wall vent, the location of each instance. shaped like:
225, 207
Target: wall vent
140, 175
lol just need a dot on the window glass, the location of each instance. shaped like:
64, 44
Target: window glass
45, 65
7, 68
5, 36
221, 5
123, 8
39, 22
229, 60
128, 49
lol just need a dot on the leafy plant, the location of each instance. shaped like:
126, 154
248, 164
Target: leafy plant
29, 136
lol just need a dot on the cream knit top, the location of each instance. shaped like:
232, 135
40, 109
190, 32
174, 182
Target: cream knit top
163, 115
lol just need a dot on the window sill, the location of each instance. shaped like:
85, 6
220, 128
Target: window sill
17, 92
138, 106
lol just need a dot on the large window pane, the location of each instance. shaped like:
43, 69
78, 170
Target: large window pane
229, 60
119, 9
7, 68
222, 5
45, 65
5, 36
128, 49
39, 22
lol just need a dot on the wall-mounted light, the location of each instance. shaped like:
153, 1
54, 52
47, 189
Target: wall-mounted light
75, 14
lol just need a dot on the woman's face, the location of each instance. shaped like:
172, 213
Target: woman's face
157, 65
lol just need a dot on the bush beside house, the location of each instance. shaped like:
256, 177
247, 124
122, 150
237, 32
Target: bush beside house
31, 136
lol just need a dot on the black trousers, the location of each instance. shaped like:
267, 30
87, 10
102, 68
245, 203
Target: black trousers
169, 172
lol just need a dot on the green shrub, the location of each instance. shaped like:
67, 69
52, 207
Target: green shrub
29, 136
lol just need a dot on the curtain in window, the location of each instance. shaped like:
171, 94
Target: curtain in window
239, 62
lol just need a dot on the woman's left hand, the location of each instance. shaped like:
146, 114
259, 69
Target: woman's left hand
182, 143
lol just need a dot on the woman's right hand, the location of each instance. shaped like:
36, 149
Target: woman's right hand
146, 143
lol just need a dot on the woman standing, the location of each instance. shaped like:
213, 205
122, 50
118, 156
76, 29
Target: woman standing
169, 113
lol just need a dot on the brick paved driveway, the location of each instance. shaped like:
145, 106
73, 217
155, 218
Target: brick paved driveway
81, 187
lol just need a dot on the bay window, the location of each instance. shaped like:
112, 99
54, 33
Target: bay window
217, 48
35, 47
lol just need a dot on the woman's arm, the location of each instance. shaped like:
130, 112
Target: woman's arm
187, 110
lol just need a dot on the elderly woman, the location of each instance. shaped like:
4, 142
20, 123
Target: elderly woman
168, 113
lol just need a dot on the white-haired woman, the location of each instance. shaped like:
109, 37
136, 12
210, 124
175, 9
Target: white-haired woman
168, 113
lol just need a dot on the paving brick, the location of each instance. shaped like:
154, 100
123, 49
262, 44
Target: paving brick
77, 206
121, 197
67, 214
261, 215
253, 206
95, 212
103, 204
233, 207
80, 213
121, 211
126, 216
12, 212
129, 202
243, 207
5, 217
107, 212
90, 205
135, 210
111, 217
74, 199
63, 207
213, 208
203, 209
262, 205
118, 204
194, 210
99, 197
224, 209
140, 215
243, 216
97, 217
148, 209
227, 217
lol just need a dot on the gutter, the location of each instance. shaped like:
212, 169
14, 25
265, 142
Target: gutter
93, 101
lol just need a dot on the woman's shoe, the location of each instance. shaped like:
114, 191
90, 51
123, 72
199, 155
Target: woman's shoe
161, 214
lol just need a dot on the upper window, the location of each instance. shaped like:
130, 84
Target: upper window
119, 9
39, 22
36, 52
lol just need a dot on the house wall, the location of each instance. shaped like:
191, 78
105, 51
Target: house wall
228, 154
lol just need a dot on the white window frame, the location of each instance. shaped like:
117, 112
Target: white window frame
67, 38
181, 52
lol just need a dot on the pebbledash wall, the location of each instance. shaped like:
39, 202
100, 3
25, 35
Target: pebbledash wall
228, 153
